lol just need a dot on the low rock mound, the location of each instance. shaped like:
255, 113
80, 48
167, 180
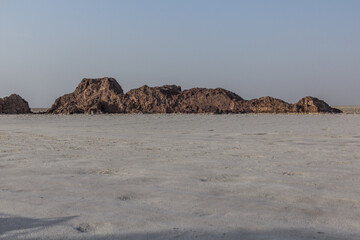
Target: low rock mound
14, 104
274, 105
204, 100
267, 105
105, 95
314, 105
151, 99
170, 99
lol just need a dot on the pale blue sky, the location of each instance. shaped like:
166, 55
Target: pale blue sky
283, 48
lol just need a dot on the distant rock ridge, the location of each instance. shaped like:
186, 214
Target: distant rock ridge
105, 95
14, 104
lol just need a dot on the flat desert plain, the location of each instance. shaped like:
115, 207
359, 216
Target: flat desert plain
177, 176
349, 109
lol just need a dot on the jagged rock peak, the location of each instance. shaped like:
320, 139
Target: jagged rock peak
14, 104
99, 84
97, 95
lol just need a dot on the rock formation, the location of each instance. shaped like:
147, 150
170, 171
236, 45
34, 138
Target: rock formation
150, 99
314, 105
204, 100
170, 99
267, 105
274, 105
105, 95
14, 104
99, 95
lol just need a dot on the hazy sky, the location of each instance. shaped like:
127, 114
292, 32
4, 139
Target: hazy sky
283, 48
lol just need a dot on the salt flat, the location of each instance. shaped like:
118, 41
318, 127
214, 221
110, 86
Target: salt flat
180, 177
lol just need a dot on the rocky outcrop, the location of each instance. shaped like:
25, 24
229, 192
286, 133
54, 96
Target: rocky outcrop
105, 95
267, 105
14, 104
99, 95
170, 99
314, 105
274, 105
150, 99
204, 100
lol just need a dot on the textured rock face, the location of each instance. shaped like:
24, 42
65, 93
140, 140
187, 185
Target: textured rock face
268, 105
150, 99
314, 105
203, 100
170, 99
14, 104
105, 95
91, 96
274, 105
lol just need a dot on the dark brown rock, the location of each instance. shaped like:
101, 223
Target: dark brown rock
204, 100
105, 95
267, 105
170, 99
99, 95
274, 105
14, 104
150, 99
314, 105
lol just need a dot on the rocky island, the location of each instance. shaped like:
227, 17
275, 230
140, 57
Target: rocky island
105, 95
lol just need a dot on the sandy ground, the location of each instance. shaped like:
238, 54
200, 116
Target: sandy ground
180, 177
39, 110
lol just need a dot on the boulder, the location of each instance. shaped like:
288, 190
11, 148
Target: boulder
100, 95
14, 104
313, 105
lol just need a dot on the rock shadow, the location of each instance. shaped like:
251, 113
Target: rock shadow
10, 225
193, 234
